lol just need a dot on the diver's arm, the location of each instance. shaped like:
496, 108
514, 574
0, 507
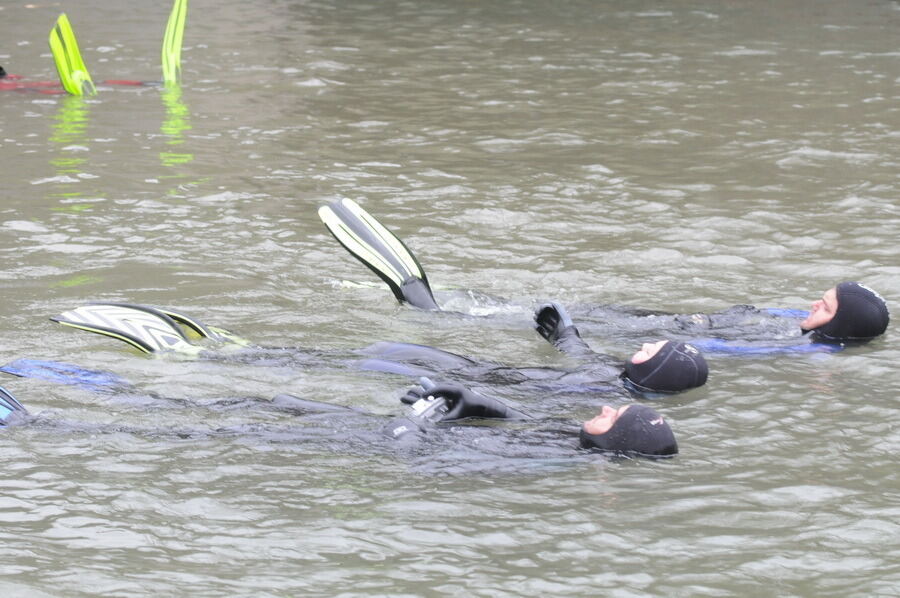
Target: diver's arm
445, 402
458, 402
554, 324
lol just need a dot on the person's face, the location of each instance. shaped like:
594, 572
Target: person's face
822, 311
604, 420
647, 351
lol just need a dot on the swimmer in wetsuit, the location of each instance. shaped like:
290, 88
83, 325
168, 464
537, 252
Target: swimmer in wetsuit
630, 430
662, 367
19, 83
850, 313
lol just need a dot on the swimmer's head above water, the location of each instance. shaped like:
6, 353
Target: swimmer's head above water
666, 366
849, 312
634, 430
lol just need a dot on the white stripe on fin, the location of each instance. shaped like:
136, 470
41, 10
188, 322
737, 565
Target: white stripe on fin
359, 247
143, 328
390, 239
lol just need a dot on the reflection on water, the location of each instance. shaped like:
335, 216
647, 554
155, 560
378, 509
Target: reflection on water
681, 156
69, 134
177, 121
70, 126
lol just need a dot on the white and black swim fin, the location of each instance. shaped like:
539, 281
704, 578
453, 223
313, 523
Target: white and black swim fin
381, 250
9, 407
145, 328
203, 330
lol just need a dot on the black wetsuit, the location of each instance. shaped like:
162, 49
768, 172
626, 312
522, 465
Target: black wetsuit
740, 330
453, 447
598, 374
740, 322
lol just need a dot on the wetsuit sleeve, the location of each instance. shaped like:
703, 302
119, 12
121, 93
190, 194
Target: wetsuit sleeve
449, 401
554, 324
444, 402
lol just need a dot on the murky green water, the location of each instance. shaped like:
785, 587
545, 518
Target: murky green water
681, 156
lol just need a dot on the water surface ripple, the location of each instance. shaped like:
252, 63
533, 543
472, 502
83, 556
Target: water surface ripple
677, 156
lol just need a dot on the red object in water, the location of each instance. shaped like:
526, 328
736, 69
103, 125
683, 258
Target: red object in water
15, 83
123, 82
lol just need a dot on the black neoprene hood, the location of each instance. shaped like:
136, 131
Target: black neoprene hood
675, 367
861, 315
639, 431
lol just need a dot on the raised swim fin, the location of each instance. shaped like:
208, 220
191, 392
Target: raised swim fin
379, 249
172, 41
144, 328
73, 74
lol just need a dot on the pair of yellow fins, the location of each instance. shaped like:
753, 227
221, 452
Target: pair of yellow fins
73, 74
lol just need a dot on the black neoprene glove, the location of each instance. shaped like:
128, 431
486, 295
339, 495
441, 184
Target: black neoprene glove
460, 402
553, 322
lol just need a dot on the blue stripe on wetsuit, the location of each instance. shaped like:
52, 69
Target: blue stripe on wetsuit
65, 373
803, 345
718, 345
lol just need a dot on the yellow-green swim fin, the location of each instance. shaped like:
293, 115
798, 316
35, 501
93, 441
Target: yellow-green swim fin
171, 48
73, 74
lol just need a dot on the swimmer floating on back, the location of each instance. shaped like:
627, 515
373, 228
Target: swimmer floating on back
847, 314
630, 430
662, 367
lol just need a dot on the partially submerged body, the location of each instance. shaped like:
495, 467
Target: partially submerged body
467, 437
743, 329
849, 313
152, 330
